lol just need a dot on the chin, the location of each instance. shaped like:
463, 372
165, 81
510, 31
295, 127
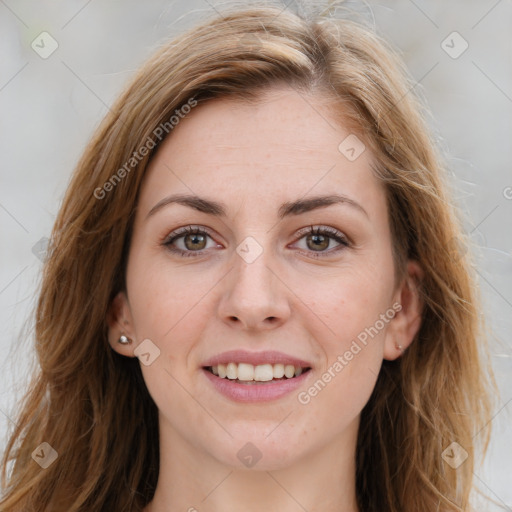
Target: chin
260, 453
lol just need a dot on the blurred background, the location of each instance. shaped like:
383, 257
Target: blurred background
64, 62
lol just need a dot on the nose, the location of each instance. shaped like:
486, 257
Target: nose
255, 297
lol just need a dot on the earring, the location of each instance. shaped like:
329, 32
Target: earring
398, 347
124, 340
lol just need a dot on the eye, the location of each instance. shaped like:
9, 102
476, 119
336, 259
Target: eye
318, 239
188, 241
193, 240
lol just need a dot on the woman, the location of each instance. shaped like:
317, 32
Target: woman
253, 297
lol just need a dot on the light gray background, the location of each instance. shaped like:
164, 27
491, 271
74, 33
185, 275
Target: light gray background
50, 107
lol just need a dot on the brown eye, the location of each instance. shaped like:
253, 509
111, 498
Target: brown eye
317, 242
188, 241
194, 241
323, 241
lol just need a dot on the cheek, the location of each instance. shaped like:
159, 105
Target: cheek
170, 308
349, 303
349, 330
349, 326
164, 300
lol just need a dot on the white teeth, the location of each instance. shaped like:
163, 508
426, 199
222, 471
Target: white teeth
263, 372
289, 371
258, 373
278, 371
245, 371
231, 371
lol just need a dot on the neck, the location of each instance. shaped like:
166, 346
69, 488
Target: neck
193, 481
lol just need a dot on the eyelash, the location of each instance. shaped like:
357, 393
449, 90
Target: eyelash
324, 230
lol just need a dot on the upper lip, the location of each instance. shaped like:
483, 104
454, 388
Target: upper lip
255, 358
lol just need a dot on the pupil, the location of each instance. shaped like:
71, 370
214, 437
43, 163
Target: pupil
196, 238
322, 239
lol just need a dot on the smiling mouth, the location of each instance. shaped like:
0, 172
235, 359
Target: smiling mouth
243, 373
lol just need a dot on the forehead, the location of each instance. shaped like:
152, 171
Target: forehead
284, 146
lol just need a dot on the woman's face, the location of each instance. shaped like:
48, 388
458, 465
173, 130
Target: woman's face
251, 277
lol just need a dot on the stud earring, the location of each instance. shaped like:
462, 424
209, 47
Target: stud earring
398, 347
124, 340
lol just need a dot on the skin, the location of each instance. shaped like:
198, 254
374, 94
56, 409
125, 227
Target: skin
253, 158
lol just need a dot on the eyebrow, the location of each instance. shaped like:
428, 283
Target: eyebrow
217, 209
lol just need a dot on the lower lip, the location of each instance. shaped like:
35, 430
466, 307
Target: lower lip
270, 390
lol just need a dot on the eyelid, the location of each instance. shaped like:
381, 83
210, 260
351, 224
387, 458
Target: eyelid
329, 231
319, 228
332, 233
183, 231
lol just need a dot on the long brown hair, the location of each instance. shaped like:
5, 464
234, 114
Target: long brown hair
91, 405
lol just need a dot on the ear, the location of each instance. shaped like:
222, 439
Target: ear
120, 322
407, 321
